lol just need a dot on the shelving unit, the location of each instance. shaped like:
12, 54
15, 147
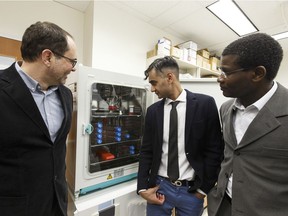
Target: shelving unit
195, 71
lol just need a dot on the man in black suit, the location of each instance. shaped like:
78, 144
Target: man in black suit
35, 118
199, 139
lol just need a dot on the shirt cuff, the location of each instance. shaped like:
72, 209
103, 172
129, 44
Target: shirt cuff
142, 190
200, 191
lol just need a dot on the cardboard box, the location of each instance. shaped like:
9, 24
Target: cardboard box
188, 45
165, 40
163, 49
192, 60
214, 66
151, 53
214, 62
176, 52
160, 49
192, 53
199, 60
206, 64
189, 55
204, 53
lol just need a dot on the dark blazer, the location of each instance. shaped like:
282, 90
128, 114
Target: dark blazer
203, 142
32, 167
259, 162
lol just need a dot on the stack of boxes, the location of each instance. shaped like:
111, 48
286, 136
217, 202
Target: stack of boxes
187, 52
214, 62
205, 60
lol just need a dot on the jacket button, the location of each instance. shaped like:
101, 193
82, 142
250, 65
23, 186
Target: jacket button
237, 153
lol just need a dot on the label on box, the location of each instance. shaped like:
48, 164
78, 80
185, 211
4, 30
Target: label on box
164, 41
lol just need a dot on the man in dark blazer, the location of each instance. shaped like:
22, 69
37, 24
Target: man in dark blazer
253, 178
35, 118
199, 145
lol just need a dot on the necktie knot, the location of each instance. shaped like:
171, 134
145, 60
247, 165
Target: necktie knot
174, 104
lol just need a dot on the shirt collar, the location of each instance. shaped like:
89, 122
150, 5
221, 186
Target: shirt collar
259, 104
181, 97
32, 84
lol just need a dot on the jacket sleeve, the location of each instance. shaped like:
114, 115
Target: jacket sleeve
146, 153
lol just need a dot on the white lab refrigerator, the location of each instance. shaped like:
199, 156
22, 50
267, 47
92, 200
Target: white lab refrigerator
104, 142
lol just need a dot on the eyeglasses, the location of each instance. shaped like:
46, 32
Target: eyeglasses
72, 61
228, 73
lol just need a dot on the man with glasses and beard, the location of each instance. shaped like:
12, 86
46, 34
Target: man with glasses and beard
35, 118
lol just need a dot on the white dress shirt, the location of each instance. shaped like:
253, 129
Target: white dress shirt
186, 172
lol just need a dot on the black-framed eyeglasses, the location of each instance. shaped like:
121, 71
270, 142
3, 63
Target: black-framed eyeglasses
225, 74
72, 61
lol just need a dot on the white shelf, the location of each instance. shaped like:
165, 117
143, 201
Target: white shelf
185, 65
196, 71
199, 80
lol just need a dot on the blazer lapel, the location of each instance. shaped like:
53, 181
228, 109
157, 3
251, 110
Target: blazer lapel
63, 98
159, 120
266, 120
21, 95
262, 124
228, 128
190, 106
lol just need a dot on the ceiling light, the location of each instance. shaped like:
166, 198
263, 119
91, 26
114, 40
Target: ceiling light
280, 36
232, 16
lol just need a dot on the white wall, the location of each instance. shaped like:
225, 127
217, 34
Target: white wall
120, 42
16, 16
282, 76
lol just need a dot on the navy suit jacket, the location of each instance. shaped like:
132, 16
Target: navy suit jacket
203, 142
32, 167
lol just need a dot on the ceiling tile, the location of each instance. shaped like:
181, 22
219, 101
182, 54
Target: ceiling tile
150, 9
176, 13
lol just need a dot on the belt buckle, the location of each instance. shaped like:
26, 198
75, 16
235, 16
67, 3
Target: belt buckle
176, 183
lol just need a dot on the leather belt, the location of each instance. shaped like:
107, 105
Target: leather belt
179, 183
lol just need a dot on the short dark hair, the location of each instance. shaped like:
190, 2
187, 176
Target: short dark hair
161, 63
43, 35
255, 50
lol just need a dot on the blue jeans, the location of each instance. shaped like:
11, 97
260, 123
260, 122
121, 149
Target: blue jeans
185, 203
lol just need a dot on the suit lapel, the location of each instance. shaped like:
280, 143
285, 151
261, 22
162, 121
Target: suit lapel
160, 119
266, 120
190, 106
262, 124
20, 94
228, 128
63, 97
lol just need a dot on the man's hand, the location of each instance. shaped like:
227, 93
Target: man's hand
199, 195
152, 196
